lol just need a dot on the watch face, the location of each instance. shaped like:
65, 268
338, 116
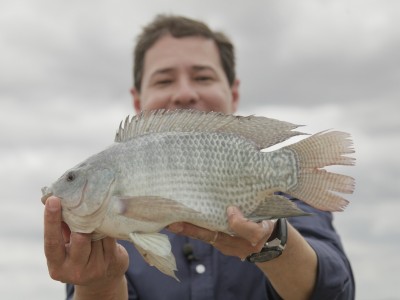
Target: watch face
266, 255
272, 254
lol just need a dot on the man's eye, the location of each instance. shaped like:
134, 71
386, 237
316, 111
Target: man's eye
203, 78
163, 82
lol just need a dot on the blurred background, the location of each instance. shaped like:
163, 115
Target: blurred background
65, 75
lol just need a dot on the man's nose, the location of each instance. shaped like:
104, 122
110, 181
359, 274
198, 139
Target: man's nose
185, 96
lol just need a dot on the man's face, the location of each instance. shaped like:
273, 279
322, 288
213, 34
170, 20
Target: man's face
185, 73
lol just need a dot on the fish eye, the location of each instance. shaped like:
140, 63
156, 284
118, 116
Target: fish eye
71, 176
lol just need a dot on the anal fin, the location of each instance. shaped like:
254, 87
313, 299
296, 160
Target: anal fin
275, 206
155, 249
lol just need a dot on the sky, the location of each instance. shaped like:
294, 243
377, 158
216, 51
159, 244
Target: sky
65, 75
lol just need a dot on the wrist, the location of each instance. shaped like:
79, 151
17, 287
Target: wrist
115, 289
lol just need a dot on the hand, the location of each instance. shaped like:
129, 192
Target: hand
249, 237
76, 259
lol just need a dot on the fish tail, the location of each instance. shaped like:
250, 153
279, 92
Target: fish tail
317, 186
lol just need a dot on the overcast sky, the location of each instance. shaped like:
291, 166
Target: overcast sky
65, 75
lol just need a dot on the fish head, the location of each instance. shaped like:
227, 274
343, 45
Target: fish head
82, 189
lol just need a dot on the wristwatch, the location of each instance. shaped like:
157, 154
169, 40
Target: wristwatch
274, 246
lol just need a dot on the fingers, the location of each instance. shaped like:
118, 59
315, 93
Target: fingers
192, 231
251, 231
116, 257
248, 237
215, 238
66, 232
80, 248
74, 257
227, 244
54, 247
109, 245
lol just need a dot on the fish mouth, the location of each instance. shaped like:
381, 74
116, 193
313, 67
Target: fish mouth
46, 194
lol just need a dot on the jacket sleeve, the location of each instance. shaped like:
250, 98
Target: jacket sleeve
335, 277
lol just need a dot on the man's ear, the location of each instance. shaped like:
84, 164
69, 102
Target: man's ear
136, 100
235, 95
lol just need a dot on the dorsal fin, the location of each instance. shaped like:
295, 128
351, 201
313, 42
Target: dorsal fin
264, 132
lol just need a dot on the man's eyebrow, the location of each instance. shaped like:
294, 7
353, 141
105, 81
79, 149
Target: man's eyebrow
202, 67
169, 70
162, 71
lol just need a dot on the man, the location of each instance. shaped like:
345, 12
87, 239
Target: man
181, 63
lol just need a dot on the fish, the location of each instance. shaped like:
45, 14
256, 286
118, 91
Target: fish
169, 166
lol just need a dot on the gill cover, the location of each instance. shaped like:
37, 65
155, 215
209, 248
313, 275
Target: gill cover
97, 190
83, 190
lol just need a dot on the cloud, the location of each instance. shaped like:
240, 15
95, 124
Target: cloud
324, 52
324, 64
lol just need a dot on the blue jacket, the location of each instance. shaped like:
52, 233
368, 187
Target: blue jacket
205, 273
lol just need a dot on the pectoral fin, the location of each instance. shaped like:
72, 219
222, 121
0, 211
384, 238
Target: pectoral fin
154, 209
155, 249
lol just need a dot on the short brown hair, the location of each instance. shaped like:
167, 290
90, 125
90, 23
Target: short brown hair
179, 27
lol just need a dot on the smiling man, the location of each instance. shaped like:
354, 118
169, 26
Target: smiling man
181, 64
185, 73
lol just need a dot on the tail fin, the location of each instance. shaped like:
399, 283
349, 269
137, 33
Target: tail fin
317, 186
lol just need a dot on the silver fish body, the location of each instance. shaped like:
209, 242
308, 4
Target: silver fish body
169, 166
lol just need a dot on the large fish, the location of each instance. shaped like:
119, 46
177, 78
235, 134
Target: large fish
184, 165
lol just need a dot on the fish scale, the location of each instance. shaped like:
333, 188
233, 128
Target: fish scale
192, 172
172, 166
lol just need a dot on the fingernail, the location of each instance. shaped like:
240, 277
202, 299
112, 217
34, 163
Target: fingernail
265, 225
53, 204
231, 210
175, 227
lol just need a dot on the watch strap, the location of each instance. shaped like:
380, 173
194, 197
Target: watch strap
274, 245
